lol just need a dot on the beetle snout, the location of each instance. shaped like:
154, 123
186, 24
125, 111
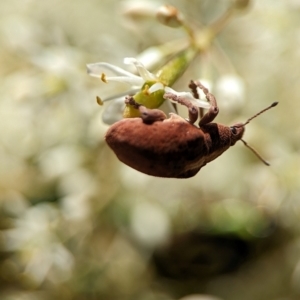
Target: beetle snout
237, 132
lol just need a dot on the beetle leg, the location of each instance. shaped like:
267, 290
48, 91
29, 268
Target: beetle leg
148, 115
130, 101
214, 110
193, 87
193, 110
195, 93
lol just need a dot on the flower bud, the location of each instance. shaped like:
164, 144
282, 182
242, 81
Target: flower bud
169, 16
138, 9
241, 4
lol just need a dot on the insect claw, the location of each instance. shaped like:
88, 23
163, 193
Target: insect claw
193, 87
129, 100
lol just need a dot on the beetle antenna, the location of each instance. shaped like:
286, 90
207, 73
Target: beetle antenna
262, 111
248, 121
255, 152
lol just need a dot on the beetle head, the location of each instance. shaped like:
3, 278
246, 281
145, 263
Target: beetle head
237, 132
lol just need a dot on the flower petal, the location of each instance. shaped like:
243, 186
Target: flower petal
200, 103
156, 87
121, 95
144, 73
97, 70
189, 96
132, 81
114, 111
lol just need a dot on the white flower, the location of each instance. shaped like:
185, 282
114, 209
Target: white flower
136, 82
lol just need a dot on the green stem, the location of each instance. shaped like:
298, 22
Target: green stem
222, 21
173, 70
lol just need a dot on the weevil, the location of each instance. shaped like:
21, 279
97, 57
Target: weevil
174, 147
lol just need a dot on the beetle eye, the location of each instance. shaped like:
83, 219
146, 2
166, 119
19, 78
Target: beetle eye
233, 130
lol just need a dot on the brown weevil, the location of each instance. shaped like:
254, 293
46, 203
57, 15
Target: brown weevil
174, 147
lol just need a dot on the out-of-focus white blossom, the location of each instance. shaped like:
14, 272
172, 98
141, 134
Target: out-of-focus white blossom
149, 224
34, 234
230, 91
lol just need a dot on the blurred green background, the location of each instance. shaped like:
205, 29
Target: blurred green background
75, 223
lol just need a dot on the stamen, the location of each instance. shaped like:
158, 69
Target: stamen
138, 81
103, 78
96, 69
99, 100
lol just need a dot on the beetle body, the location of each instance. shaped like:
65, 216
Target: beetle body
170, 148
174, 147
